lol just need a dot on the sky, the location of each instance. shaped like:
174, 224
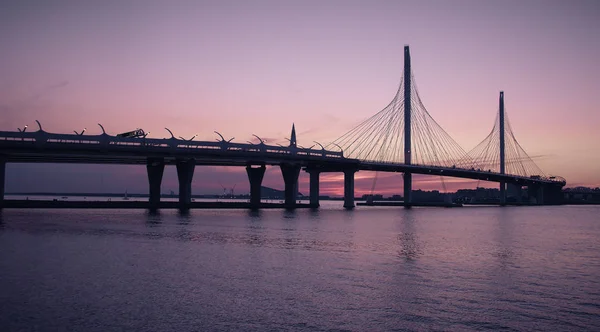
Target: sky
256, 67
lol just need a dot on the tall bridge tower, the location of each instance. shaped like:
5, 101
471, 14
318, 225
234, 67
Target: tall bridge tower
407, 124
502, 150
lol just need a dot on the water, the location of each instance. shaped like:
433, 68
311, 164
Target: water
371, 269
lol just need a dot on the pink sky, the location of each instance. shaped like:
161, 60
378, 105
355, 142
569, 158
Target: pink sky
254, 67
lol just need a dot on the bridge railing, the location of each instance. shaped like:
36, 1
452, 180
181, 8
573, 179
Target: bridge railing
45, 139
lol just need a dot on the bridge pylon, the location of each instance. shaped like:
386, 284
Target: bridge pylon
407, 124
403, 133
502, 149
501, 153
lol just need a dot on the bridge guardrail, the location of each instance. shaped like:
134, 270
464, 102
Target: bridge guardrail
41, 138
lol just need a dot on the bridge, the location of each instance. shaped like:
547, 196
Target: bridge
403, 137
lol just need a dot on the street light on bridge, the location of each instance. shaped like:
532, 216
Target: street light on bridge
191, 139
260, 139
223, 138
170, 132
22, 130
339, 147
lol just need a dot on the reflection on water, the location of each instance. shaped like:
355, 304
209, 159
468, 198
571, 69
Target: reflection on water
408, 239
519, 268
254, 214
504, 247
153, 218
289, 214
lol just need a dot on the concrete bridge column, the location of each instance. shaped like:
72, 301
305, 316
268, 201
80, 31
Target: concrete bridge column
314, 188
514, 190
155, 168
255, 176
552, 195
407, 189
290, 174
502, 193
349, 189
185, 173
535, 194
2, 178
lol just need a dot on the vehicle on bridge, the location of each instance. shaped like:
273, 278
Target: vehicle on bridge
133, 134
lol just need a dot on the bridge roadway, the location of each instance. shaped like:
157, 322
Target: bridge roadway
43, 147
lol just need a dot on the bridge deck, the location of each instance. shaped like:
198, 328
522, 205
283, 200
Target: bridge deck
42, 147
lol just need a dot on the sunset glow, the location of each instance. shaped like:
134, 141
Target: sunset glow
256, 67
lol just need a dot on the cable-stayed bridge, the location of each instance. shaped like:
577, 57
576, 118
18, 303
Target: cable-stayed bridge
403, 137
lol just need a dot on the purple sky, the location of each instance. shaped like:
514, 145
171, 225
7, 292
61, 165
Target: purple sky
254, 67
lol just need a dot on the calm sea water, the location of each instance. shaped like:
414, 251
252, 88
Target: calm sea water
371, 269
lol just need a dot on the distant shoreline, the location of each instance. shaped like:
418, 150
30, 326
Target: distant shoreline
61, 204
138, 195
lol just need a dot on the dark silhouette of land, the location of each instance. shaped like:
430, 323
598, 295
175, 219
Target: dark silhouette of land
275, 199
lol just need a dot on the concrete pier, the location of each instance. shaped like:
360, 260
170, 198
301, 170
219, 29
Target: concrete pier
314, 188
534, 194
255, 176
2, 179
155, 168
407, 189
515, 191
552, 195
502, 193
185, 173
290, 174
545, 194
349, 189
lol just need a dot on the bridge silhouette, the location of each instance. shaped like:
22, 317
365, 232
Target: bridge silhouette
403, 137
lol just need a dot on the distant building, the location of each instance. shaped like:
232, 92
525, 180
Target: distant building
479, 195
433, 196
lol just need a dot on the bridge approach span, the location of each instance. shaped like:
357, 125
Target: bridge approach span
43, 147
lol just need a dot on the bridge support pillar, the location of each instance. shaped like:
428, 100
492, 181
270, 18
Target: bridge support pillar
515, 191
2, 180
314, 188
502, 193
535, 194
255, 176
155, 168
185, 173
552, 195
290, 174
349, 189
407, 189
